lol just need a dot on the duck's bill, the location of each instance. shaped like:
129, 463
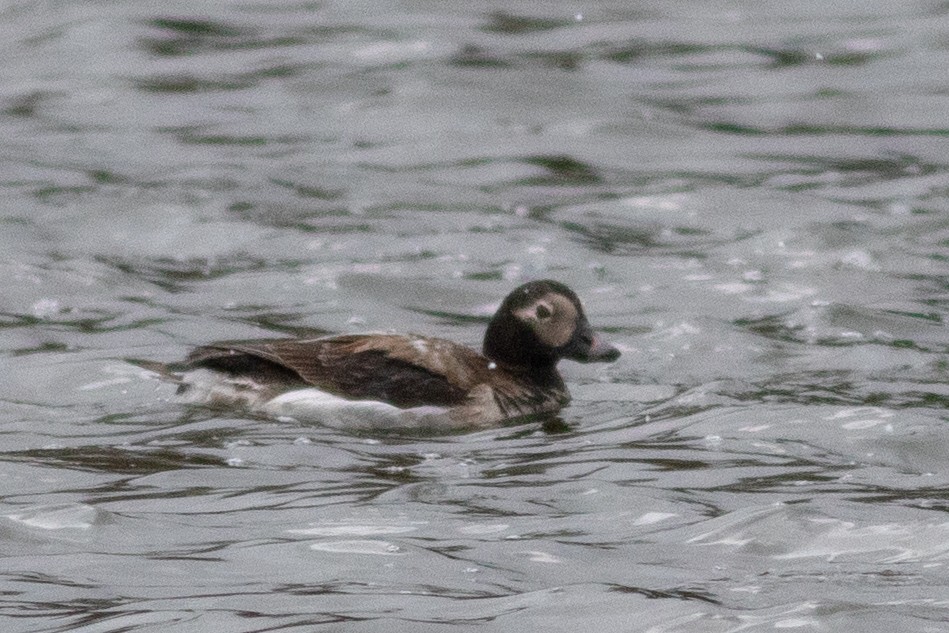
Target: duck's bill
588, 347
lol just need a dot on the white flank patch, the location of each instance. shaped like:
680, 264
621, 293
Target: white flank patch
308, 405
313, 405
216, 389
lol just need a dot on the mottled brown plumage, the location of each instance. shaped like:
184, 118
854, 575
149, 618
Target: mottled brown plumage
386, 367
537, 324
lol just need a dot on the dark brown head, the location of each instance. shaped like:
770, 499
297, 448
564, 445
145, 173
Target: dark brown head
538, 324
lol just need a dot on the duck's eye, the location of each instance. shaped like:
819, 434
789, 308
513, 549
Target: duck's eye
543, 312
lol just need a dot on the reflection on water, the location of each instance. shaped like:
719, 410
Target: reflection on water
750, 199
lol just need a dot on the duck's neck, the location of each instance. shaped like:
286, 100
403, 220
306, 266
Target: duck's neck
517, 351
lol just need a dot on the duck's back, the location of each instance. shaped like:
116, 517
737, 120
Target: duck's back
403, 370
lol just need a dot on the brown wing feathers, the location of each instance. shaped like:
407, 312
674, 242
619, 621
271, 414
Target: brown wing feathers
378, 367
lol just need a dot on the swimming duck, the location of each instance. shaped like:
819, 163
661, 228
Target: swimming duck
432, 381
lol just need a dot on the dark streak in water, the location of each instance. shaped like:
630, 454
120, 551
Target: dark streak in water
116, 460
681, 594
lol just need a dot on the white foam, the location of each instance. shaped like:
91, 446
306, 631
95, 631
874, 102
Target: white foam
67, 516
354, 530
376, 548
536, 556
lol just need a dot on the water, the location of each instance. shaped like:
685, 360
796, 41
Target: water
750, 198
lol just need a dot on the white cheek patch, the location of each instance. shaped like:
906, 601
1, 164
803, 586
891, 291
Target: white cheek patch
559, 327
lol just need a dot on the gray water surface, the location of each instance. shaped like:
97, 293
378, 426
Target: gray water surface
751, 198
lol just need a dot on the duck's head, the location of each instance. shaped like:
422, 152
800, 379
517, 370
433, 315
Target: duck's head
538, 324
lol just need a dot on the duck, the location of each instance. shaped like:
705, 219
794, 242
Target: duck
407, 380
